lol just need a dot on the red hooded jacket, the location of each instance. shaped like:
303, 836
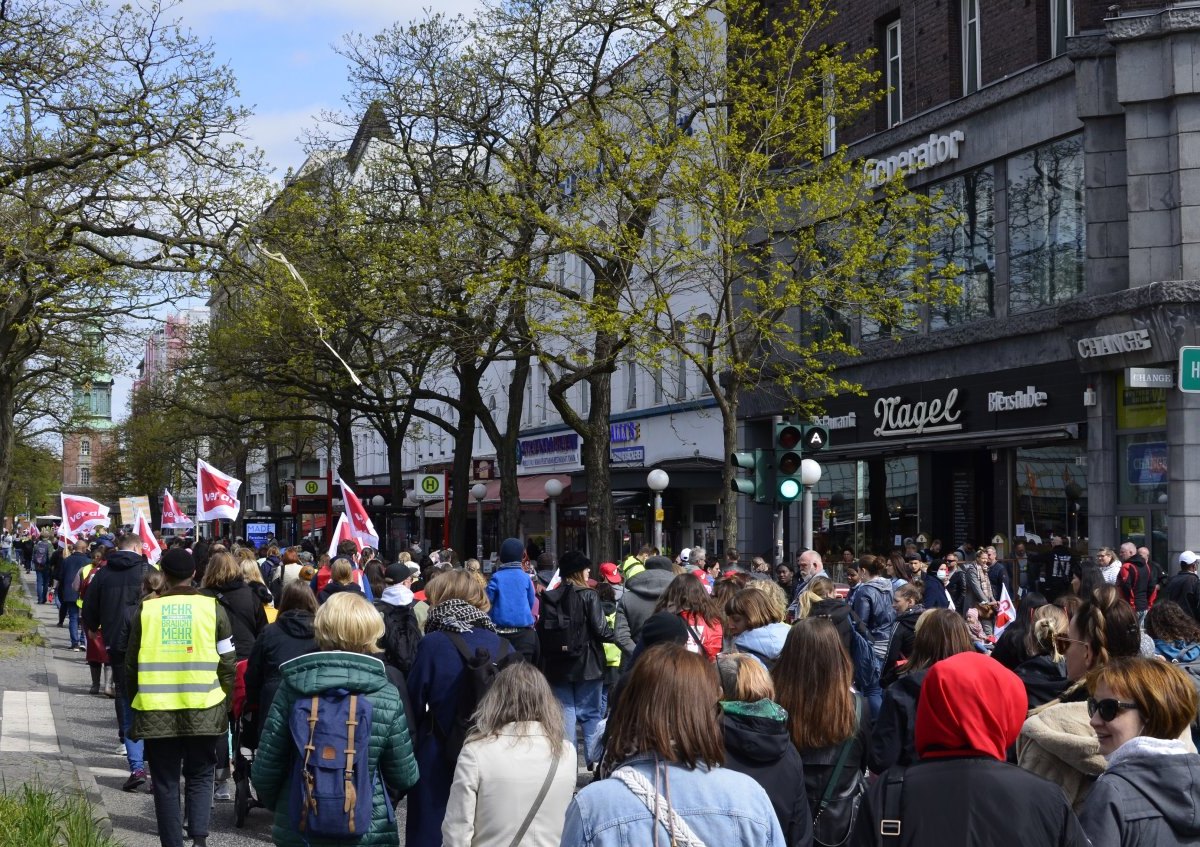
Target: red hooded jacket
971, 705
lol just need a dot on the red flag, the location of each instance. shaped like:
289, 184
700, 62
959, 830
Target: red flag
81, 514
361, 527
343, 532
151, 549
1005, 614
173, 517
216, 494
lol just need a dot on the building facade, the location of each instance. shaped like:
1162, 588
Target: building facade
91, 436
1064, 138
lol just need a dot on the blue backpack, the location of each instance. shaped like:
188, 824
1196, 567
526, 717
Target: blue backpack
331, 793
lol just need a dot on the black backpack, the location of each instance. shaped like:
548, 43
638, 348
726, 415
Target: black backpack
401, 635
562, 626
479, 672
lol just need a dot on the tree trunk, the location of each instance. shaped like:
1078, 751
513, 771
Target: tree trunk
7, 443
595, 455
460, 483
506, 452
274, 495
395, 460
344, 427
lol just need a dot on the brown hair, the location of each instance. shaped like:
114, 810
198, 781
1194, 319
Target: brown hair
872, 564
686, 593
910, 592
1106, 624
1164, 695
727, 586
744, 678
222, 569
940, 634
755, 606
668, 708
813, 675
1167, 621
290, 557
341, 571
456, 585
775, 594
297, 595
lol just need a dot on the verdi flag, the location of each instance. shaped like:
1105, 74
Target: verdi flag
216, 494
151, 549
173, 517
361, 527
343, 532
1005, 614
81, 514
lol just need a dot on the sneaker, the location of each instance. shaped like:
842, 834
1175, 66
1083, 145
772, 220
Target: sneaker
200, 842
221, 793
120, 751
111, 691
135, 779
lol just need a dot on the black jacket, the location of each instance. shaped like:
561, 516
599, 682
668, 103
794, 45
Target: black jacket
112, 588
901, 644
1184, 589
290, 636
819, 764
244, 604
1044, 678
1010, 646
762, 749
843, 619
591, 664
978, 801
892, 736
332, 588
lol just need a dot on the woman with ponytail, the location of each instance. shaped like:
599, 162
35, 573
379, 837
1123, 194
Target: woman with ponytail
1044, 673
1057, 741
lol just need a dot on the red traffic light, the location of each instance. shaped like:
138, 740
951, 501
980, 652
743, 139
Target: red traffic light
789, 463
787, 436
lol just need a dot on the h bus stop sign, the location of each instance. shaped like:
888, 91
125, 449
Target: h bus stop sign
1189, 370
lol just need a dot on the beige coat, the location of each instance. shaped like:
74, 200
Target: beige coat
495, 785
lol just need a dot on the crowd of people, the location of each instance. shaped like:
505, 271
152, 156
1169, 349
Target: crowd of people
700, 701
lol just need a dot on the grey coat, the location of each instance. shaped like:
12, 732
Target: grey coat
637, 604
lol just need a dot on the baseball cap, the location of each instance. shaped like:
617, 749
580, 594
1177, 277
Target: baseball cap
397, 573
609, 571
685, 554
1187, 557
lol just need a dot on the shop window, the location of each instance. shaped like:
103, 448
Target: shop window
1140, 408
1062, 25
893, 74
1143, 469
888, 284
968, 243
847, 514
1046, 231
631, 398
970, 46
828, 97
1050, 494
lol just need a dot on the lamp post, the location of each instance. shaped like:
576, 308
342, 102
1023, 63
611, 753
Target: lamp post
658, 480
810, 475
478, 490
554, 488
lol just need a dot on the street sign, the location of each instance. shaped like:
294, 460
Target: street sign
816, 437
428, 487
312, 487
1189, 370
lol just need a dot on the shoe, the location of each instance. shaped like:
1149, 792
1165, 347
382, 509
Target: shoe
200, 842
135, 779
222, 793
94, 690
111, 691
120, 751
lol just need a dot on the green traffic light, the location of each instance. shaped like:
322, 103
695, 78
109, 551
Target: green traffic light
789, 490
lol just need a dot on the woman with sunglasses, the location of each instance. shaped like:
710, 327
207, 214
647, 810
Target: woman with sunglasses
1139, 708
1057, 741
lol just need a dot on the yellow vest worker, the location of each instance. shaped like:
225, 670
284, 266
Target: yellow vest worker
177, 658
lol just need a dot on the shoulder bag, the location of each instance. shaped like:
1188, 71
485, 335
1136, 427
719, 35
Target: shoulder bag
834, 820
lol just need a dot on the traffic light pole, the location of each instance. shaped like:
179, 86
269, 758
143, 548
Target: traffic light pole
779, 534
806, 536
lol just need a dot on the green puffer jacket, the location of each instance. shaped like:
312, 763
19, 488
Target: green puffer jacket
390, 748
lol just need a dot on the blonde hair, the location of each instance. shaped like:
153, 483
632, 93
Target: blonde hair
1048, 622
520, 696
341, 572
346, 621
457, 585
744, 678
222, 569
251, 571
776, 596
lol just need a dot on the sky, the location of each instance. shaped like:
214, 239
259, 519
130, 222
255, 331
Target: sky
282, 54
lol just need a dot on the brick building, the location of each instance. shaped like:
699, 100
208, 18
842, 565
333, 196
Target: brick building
84, 447
1065, 137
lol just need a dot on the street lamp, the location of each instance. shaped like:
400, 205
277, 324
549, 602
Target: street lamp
478, 491
810, 475
554, 488
658, 480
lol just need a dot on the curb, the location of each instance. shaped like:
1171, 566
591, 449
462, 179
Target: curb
87, 782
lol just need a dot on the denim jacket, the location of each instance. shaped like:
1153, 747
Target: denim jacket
721, 806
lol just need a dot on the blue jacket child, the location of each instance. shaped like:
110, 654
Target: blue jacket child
510, 590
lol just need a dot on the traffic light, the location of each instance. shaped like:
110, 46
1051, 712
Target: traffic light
816, 438
788, 440
761, 486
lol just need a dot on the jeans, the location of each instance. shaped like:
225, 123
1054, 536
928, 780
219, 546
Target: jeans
77, 639
43, 586
134, 750
581, 703
194, 758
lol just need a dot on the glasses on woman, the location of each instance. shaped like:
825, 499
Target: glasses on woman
1062, 643
1108, 709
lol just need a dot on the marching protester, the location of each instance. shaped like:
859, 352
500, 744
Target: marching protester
511, 595
291, 635
686, 597
642, 590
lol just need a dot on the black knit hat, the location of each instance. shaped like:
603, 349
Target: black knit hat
572, 562
177, 563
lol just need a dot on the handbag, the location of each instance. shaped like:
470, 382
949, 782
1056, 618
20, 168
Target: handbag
537, 804
834, 820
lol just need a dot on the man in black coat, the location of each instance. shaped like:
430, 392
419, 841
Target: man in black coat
1184, 587
68, 591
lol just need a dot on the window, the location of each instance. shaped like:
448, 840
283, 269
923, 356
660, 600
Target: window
829, 143
681, 378
970, 45
968, 241
1046, 228
529, 380
631, 383
85, 447
562, 272
660, 394
893, 76
85, 476
1062, 25
585, 398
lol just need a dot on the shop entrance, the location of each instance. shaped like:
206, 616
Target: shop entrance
962, 498
1145, 528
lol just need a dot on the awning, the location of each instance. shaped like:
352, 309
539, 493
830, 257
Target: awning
530, 489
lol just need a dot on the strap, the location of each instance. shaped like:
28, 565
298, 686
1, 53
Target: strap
537, 804
695, 637
683, 835
460, 644
348, 789
893, 796
309, 800
841, 760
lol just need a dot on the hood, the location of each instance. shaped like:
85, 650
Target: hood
317, 672
756, 731
261, 592
297, 623
124, 560
971, 705
765, 641
1179, 652
337, 588
509, 566
650, 584
397, 595
1062, 730
1166, 776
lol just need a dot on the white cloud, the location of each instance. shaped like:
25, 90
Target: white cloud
279, 134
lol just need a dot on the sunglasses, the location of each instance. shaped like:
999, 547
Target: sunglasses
1108, 709
1063, 643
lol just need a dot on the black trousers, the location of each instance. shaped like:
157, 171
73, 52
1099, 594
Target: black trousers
195, 759
525, 642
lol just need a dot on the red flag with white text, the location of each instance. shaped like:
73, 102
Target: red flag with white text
81, 514
343, 532
216, 494
1005, 613
151, 549
361, 526
173, 517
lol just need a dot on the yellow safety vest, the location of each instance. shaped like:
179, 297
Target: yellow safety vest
631, 567
612, 653
83, 575
177, 659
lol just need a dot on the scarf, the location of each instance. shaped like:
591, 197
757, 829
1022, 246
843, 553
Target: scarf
756, 709
457, 616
